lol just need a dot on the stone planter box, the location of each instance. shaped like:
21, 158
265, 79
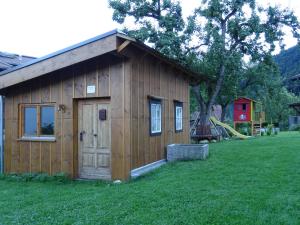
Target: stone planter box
177, 152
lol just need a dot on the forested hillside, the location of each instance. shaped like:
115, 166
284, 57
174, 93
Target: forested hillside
289, 61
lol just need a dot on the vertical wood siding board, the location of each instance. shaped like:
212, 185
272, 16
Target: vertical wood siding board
36, 161
75, 139
144, 99
127, 115
163, 93
61, 127
66, 123
45, 92
117, 120
78, 82
141, 116
50, 144
138, 115
91, 77
99, 67
46, 158
35, 157
25, 146
184, 110
146, 110
85, 82
152, 92
148, 158
158, 138
56, 97
8, 136
109, 78
30, 146
184, 96
160, 147
134, 114
179, 140
175, 78
103, 79
97, 79
68, 147
15, 164
73, 83
171, 97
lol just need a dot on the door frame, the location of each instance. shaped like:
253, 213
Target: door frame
76, 140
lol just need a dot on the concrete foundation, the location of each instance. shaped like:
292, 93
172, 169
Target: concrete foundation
177, 152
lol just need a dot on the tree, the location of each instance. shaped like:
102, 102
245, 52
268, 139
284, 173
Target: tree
249, 80
218, 36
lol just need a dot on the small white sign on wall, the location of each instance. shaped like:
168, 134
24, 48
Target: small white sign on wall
91, 89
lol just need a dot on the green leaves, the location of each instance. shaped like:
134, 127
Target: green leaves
159, 23
214, 40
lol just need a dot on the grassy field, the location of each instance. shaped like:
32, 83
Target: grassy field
255, 181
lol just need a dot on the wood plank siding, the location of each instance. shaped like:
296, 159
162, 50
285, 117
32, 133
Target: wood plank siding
126, 81
152, 77
65, 87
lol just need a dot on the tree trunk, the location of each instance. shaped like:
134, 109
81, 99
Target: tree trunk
224, 112
203, 128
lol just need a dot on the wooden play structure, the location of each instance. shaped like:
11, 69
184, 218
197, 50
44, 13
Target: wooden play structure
247, 110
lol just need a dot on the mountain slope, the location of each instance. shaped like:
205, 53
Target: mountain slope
289, 61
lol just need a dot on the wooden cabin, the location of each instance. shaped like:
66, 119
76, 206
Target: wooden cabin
95, 110
246, 110
8, 60
294, 120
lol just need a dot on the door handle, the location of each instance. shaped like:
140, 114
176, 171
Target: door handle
81, 135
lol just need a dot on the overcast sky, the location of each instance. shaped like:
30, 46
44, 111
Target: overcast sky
39, 27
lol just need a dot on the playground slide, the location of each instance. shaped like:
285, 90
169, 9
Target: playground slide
229, 128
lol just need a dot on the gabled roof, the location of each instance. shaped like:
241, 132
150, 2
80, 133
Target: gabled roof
99, 45
9, 60
247, 99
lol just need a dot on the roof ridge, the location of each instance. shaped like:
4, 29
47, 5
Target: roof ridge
59, 52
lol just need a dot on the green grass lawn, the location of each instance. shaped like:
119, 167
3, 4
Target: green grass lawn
254, 181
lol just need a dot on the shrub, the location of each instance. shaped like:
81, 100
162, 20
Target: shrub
61, 177
40, 177
244, 128
270, 129
296, 128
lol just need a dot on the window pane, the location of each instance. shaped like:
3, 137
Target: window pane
178, 119
47, 120
30, 121
244, 107
155, 118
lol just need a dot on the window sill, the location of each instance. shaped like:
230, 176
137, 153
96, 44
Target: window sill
179, 131
155, 134
41, 139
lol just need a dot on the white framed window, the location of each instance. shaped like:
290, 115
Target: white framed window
178, 111
37, 121
155, 116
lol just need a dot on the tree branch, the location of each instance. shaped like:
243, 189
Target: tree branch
198, 96
230, 14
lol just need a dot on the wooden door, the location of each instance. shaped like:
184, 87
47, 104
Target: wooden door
94, 139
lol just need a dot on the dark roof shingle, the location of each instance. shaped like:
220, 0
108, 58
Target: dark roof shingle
8, 60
